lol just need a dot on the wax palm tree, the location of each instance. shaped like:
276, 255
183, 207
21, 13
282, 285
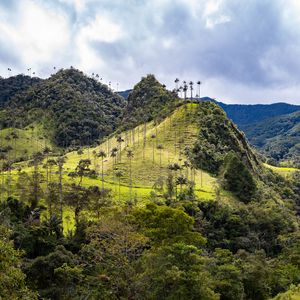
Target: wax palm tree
191, 88
186, 166
60, 162
120, 140
185, 88
119, 175
130, 156
113, 154
160, 148
176, 83
199, 84
175, 167
181, 180
153, 136
102, 154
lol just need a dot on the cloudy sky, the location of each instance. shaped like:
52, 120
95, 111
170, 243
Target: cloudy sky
244, 51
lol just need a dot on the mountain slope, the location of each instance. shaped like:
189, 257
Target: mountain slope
148, 100
278, 137
74, 109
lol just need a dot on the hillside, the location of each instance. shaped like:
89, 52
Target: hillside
278, 137
12, 85
149, 100
74, 109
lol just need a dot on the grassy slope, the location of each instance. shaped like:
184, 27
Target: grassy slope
284, 171
145, 171
30, 140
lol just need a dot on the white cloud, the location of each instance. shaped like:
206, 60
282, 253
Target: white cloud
37, 34
100, 29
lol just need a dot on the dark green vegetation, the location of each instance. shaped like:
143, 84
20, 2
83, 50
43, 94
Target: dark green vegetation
217, 136
273, 129
149, 100
13, 85
74, 109
278, 137
241, 243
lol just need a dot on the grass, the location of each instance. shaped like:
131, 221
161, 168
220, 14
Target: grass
27, 142
284, 171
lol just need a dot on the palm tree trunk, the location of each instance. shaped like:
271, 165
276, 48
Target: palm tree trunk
102, 176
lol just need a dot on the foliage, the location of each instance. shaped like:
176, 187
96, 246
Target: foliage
278, 137
238, 179
149, 100
13, 85
76, 109
12, 279
218, 136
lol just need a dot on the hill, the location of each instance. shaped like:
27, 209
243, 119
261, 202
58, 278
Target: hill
149, 100
73, 108
12, 85
278, 137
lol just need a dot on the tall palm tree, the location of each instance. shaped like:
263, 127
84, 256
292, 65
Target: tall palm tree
153, 136
191, 88
130, 156
120, 140
199, 84
175, 167
181, 180
185, 88
60, 162
186, 166
176, 84
102, 154
119, 175
160, 148
113, 154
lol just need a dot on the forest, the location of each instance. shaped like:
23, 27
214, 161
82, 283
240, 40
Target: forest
157, 196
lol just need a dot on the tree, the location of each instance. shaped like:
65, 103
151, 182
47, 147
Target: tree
119, 175
98, 199
60, 162
185, 88
82, 169
120, 140
102, 154
77, 197
191, 88
12, 279
153, 136
160, 148
174, 167
113, 154
238, 179
35, 188
199, 84
130, 156
176, 271
181, 180
176, 84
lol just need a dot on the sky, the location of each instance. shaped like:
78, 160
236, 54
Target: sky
243, 51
